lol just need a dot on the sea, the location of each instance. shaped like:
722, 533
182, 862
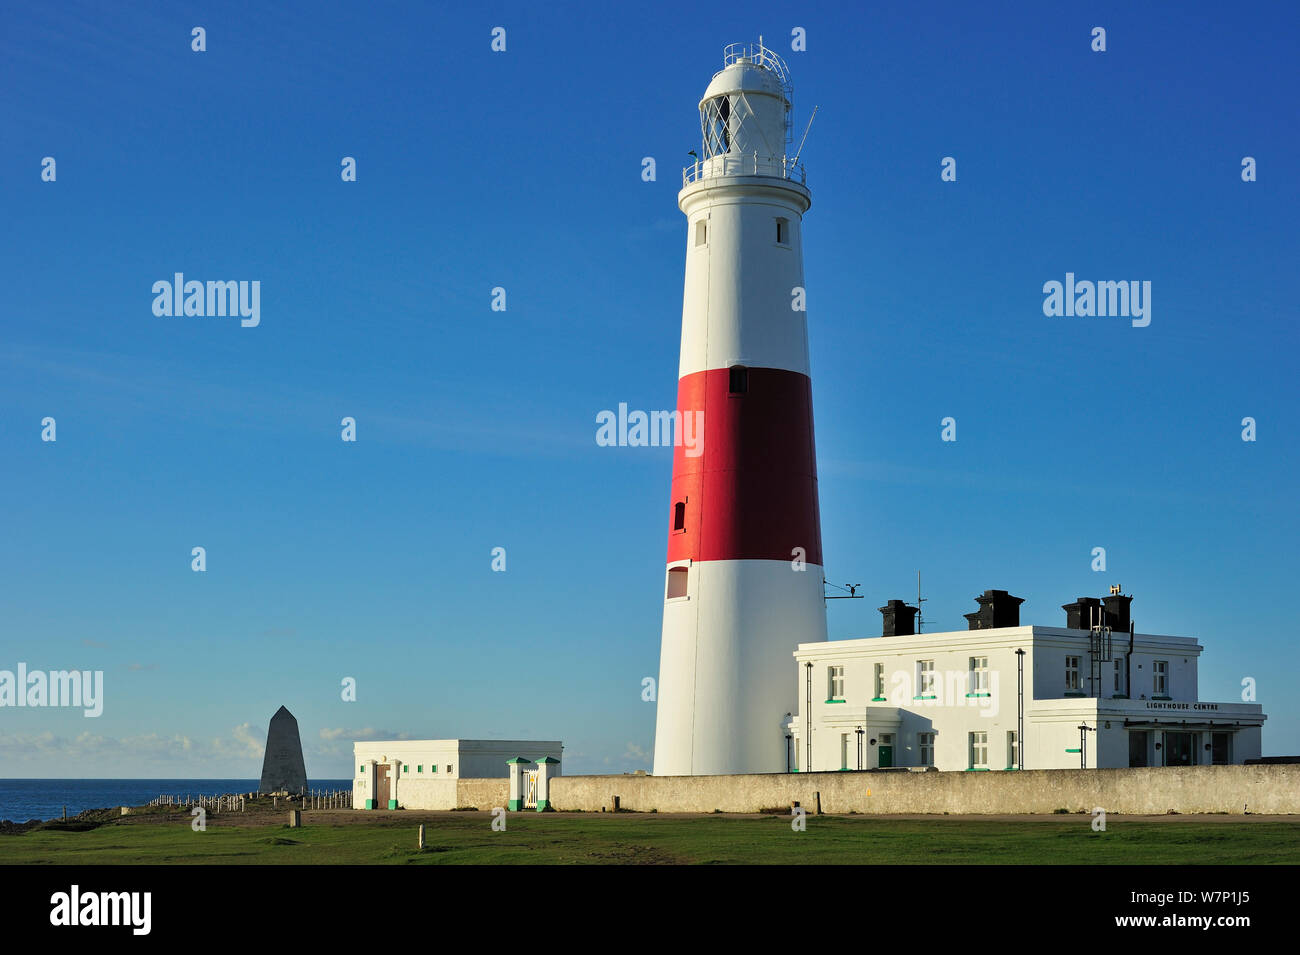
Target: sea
25, 799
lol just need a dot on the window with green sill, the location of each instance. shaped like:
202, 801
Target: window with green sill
979, 676
925, 677
835, 684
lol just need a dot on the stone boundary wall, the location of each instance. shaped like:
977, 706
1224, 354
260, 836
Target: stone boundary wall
1156, 790
422, 793
485, 794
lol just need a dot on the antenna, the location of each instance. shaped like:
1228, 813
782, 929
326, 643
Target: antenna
798, 152
920, 617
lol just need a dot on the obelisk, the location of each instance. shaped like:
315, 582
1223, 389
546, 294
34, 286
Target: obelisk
282, 766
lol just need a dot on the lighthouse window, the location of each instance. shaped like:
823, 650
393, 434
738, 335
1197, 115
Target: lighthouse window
737, 379
679, 516
783, 232
677, 582
715, 119
701, 232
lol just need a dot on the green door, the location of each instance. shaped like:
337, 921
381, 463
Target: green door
886, 756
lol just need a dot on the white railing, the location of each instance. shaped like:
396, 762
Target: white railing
232, 802
781, 168
759, 55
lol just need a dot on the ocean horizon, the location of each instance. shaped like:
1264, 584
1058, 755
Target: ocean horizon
22, 800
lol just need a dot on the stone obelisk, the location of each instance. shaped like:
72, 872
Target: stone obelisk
282, 766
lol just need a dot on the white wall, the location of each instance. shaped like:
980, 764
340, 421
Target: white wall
486, 759
1181, 654
428, 769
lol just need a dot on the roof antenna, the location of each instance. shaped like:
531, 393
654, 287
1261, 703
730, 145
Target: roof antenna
920, 617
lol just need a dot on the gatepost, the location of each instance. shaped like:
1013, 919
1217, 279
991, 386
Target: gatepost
516, 783
369, 782
544, 773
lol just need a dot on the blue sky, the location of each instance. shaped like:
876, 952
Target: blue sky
476, 428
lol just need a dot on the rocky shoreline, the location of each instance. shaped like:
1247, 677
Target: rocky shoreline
255, 807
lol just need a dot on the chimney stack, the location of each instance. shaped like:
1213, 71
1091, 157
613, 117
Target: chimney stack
1083, 613
997, 609
1112, 611
900, 619
1117, 612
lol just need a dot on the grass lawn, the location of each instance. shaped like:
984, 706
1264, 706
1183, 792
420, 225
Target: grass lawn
639, 839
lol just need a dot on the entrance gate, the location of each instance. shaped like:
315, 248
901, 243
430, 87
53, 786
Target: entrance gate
530, 789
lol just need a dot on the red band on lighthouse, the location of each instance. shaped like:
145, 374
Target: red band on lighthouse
752, 493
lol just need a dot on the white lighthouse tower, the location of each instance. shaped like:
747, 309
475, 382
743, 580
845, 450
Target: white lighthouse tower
744, 580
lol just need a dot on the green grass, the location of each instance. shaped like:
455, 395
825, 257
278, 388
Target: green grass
467, 838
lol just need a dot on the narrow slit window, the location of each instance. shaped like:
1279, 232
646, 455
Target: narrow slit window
677, 577
783, 231
701, 232
738, 380
679, 516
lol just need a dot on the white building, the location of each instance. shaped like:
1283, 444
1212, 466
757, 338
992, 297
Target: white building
422, 773
953, 700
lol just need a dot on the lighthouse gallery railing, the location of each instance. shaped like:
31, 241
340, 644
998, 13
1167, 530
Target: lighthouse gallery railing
782, 168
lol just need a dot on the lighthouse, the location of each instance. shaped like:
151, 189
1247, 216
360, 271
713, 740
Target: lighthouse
744, 582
